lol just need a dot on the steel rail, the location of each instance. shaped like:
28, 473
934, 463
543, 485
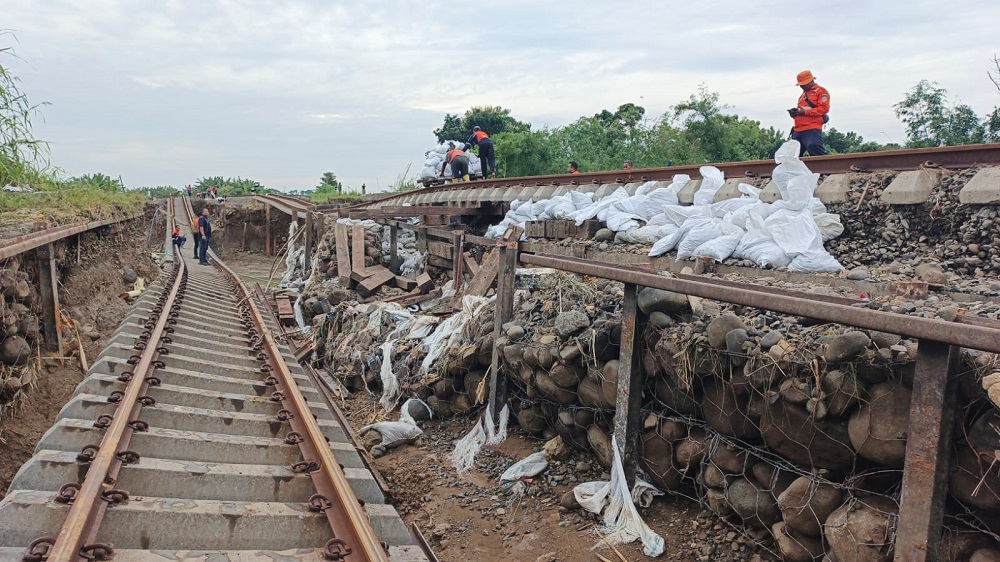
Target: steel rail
354, 539
19, 244
963, 156
286, 204
98, 488
969, 336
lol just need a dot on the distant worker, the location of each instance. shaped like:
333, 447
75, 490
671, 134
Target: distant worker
459, 163
196, 233
487, 156
205, 229
178, 240
189, 191
810, 114
363, 189
572, 168
627, 165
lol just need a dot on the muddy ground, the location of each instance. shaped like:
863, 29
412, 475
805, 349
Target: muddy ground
471, 518
89, 294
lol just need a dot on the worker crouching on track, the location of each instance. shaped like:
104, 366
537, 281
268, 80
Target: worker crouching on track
205, 229
487, 156
459, 163
810, 114
176, 237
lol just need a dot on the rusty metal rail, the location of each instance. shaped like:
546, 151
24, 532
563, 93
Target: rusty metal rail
354, 539
19, 244
90, 500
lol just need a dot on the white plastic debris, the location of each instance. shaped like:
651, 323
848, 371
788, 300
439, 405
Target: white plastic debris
531, 465
622, 523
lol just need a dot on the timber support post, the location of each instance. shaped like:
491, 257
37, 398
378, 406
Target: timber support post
49, 285
504, 311
630, 383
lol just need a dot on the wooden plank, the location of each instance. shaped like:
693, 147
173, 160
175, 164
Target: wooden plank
428, 210
405, 283
362, 274
440, 249
357, 247
629, 384
507, 262
343, 254
309, 238
471, 266
487, 274
380, 277
928, 452
415, 298
438, 261
588, 229
48, 281
425, 283
535, 229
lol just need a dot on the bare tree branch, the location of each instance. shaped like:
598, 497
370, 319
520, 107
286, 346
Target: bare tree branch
995, 78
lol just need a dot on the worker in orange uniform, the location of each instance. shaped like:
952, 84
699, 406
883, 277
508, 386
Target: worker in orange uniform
487, 156
572, 168
810, 114
459, 163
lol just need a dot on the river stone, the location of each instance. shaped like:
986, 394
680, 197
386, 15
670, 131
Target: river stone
878, 429
129, 275
14, 351
604, 235
846, 346
722, 325
652, 300
770, 340
515, 332
931, 273
570, 323
734, 345
884, 339
660, 320
858, 274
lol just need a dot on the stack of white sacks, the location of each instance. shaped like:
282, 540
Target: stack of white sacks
787, 233
435, 157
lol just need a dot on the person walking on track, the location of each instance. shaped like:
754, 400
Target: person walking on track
196, 234
810, 114
487, 156
205, 230
459, 163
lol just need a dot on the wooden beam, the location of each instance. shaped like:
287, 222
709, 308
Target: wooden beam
630, 383
343, 254
357, 247
928, 452
267, 230
405, 283
414, 298
308, 243
457, 257
425, 283
507, 258
49, 285
435, 210
394, 246
471, 266
488, 271
379, 277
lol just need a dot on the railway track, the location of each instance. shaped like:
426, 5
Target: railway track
196, 436
508, 189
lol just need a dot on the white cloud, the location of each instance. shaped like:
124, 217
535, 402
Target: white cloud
168, 91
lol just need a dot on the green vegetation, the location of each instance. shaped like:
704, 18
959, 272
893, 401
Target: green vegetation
232, 186
931, 120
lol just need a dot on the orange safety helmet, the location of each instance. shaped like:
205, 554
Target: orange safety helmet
804, 77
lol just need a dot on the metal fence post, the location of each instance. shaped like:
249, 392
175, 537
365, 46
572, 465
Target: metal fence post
928, 452
394, 246
630, 382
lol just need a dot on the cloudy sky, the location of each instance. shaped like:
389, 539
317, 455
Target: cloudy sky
281, 91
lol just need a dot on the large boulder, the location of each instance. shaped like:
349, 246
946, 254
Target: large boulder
862, 530
652, 300
878, 428
792, 432
806, 504
14, 350
722, 325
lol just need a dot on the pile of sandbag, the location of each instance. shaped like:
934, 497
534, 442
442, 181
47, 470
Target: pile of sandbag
434, 157
788, 233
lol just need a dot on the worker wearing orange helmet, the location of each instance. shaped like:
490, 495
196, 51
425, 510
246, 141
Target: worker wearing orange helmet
810, 114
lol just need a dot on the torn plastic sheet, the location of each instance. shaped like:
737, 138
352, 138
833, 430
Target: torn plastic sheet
622, 523
531, 465
483, 433
449, 333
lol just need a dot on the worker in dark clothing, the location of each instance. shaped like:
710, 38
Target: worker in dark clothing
810, 114
487, 157
459, 163
205, 229
572, 168
196, 233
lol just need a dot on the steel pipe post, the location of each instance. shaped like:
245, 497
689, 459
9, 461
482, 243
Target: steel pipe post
630, 383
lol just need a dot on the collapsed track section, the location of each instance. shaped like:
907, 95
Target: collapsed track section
195, 435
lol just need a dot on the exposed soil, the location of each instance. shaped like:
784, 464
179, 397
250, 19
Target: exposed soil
472, 518
89, 294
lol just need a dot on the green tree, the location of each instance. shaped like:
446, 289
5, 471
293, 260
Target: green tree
495, 120
98, 181
717, 136
931, 121
844, 143
329, 182
528, 153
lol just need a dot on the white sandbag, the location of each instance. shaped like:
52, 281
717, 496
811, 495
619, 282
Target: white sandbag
531, 465
593, 210
721, 247
642, 235
722, 208
670, 241
659, 219
740, 216
678, 215
757, 244
703, 230
624, 214
393, 433
789, 167
829, 225
581, 200
645, 188
712, 179
749, 190
656, 199
815, 261
795, 233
